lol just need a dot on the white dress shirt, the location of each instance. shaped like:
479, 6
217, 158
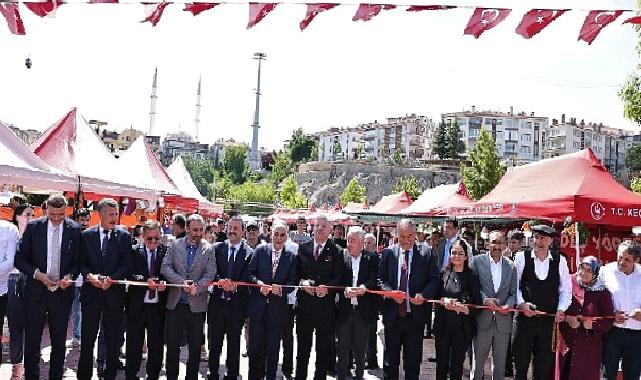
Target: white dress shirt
541, 269
292, 247
625, 289
497, 271
102, 235
356, 262
9, 237
147, 299
446, 251
401, 259
236, 248
50, 230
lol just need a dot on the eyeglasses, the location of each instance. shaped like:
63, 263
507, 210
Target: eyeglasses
252, 228
457, 253
153, 238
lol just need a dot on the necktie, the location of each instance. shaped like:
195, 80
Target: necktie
446, 254
230, 268
402, 310
54, 271
152, 273
275, 260
105, 241
317, 252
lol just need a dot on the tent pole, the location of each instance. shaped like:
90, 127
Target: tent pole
577, 249
378, 234
599, 241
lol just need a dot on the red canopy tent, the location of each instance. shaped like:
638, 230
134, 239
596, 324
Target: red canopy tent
389, 204
438, 200
574, 185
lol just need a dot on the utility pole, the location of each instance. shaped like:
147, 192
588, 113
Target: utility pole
254, 156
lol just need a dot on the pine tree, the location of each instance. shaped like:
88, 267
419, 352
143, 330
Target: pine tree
485, 170
409, 185
440, 144
455, 147
354, 192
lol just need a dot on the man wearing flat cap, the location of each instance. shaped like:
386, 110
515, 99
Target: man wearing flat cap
543, 284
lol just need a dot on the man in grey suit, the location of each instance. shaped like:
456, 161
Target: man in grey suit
190, 263
497, 275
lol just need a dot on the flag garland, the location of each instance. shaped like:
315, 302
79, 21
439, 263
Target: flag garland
482, 19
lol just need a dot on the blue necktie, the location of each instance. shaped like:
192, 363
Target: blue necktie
105, 242
230, 269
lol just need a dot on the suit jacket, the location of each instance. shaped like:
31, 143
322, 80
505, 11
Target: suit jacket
423, 279
439, 251
32, 255
260, 270
139, 271
203, 272
506, 293
327, 270
367, 276
115, 264
238, 299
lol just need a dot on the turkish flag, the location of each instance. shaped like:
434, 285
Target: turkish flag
418, 8
258, 11
312, 11
103, 1
536, 20
154, 12
47, 8
198, 8
485, 19
594, 22
11, 13
633, 20
366, 12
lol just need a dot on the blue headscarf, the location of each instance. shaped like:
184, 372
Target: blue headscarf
595, 265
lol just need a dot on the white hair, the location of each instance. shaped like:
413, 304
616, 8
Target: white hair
356, 230
370, 236
278, 223
495, 233
321, 217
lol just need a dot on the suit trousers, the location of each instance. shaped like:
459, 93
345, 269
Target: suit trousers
622, 344
405, 334
177, 320
264, 346
223, 322
533, 339
16, 317
352, 337
306, 324
151, 319
371, 356
56, 309
92, 312
498, 342
288, 342
451, 347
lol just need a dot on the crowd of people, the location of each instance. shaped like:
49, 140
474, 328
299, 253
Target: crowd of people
159, 291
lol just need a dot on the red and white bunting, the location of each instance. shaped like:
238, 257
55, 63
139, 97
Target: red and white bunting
103, 1
154, 12
46, 8
258, 11
636, 20
11, 13
485, 19
366, 12
536, 20
420, 8
198, 8
312, 11
594, 22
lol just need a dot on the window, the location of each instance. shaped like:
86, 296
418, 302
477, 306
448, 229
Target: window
577, 133
576, 145
461, 121
526, 137
475, 122
511, 135
474, 132
509, 123
510, 147
526, 150
527, 125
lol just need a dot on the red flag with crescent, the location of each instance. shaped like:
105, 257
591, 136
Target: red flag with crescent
485, 19
198, 8
154, 12
312, 11
11, 13
46, 8
366, 12
594, 22
536, 20
258, 11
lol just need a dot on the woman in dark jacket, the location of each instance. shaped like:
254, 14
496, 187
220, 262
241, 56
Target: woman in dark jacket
582, 349
454, 324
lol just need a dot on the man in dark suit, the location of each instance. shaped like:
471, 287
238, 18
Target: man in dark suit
272, 266
357, 309
106, 252
190, 263
319, 264
48, 256
444, 245
228, 302
146, 305
412, 272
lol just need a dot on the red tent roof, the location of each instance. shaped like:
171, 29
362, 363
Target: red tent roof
390, 204
438, 200
575, 185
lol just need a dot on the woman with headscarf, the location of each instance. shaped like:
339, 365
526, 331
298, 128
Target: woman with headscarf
581, 352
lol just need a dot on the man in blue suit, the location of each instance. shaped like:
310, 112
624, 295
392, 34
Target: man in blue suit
228, 302
106, 251
48, 256
406, 268
272, 266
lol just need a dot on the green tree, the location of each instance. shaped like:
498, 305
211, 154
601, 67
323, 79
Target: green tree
455, 147
301, 146
202, 173
396, 158
440, 142
252, 192
636, 185
354, 192
630, 94
485, 169
409, 185
289, 195
633, 158
283, 167
235, 163
223, 187
337, 149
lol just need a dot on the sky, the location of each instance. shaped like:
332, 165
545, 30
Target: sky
101, 59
